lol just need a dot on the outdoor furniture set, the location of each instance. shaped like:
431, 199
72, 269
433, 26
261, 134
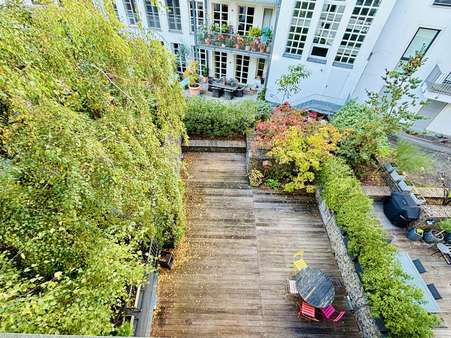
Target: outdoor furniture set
230, 88
315, 291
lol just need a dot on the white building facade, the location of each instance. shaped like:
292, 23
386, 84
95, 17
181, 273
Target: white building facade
345, 44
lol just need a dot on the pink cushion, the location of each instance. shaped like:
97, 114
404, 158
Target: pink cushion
340, 316
328, 311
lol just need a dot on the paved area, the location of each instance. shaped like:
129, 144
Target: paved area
230, 276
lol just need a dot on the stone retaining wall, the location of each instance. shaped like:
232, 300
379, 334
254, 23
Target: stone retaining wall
350, 278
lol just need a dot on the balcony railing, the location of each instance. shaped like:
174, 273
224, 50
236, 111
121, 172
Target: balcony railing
258, 46
441, 84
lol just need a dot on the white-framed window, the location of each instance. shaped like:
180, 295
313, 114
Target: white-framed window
174, 17
261, 63
153, 19
245, 19
241, 68
132, 12
115, 10
197, 14
420, 43
300, 23
220, 14
220, 64
202, 60
358, 26
267, 17
442, 2
180, 57
329, 21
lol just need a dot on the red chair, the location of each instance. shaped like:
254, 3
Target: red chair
329, 312
307, 311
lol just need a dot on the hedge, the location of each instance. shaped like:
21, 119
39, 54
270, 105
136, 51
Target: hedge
88, 171
383, 280
210, 117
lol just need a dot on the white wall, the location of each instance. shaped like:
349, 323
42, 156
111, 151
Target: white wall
407, 16
327, 82
442, 122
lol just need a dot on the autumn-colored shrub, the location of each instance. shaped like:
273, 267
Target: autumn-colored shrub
298, 145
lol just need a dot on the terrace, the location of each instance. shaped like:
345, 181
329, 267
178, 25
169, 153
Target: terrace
256, 43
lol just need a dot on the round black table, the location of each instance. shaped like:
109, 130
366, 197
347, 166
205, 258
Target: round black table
315, 287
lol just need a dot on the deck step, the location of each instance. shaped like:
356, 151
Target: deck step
215, 146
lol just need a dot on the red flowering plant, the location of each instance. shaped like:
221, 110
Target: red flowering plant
282, 118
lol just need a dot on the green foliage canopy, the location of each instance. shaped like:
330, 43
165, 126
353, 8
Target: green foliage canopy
88, 168
365, 134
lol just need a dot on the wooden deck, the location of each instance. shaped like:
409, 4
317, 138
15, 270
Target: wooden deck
230, 278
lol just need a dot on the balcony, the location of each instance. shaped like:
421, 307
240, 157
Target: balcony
257, 43
438, 85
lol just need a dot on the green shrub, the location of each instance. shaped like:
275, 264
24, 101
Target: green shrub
408, 157
88, 172
216, 118
391, 298
366, 136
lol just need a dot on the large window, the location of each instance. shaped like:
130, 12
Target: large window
174, 18
202, 60
180, 57
300, 23
361, 19
420, 43
442, 2
153, 20
261, 69
245, 19
242, 68
220, 64
327, 28
220, 14
197, 14
132, 13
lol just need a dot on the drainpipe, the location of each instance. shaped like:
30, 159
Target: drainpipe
272, 44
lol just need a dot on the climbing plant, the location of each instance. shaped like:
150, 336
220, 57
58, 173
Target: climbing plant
90, 122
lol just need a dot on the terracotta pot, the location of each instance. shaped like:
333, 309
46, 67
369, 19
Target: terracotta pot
194, 90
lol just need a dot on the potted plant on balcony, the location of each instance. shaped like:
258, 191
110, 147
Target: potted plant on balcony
254, 32
239, 41
262, 47
445, 227
248, 41
193, 78
254, 45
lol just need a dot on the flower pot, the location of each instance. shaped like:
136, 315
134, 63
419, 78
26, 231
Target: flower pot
432, 236
447, 237
262, 49
414, 234
194, 90
247, 48
223, 45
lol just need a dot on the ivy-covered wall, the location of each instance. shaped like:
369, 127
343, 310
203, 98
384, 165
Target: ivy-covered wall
88, 166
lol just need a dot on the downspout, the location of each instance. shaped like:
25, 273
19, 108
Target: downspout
272, 44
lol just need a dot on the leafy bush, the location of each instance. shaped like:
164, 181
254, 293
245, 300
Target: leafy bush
216, 118
408, 157
88, 172
383, 281
303, 150
264, 110
365, 134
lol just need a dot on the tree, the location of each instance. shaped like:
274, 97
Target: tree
398, 96
289, 83
88, 165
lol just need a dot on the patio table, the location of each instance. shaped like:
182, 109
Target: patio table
430, 305
315, 287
